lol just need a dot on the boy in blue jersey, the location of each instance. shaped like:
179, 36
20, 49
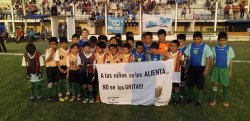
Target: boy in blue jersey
84, 35
182, 40
223, 55
199, 55
131, 42
139, 55
148, 42
154, 55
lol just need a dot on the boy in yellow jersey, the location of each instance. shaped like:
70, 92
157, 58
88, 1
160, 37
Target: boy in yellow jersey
179, 59
51, 69
126, 56
33, 63
61, 61
73, 71
100, 58
114, 56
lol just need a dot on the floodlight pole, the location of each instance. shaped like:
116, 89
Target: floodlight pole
140, 20
106, 19
24, 14
215, 17
176, 18
12, 17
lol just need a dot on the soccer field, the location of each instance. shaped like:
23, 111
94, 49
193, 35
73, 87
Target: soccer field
15, 105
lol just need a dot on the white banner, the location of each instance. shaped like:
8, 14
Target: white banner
142, 83
153, 23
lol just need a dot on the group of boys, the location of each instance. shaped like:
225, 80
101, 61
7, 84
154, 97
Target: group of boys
74, 67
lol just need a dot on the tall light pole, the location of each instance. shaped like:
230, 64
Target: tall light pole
24, 14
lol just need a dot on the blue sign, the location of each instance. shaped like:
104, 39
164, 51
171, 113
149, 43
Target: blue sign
115, 25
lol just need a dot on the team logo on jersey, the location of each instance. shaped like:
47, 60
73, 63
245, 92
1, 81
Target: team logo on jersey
61, 57
196, 50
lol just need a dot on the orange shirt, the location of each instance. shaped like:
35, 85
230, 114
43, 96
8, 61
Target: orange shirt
164, 47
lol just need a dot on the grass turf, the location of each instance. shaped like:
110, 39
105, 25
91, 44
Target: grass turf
15, 105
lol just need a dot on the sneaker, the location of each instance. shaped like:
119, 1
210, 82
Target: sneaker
49, 99
66, 97
61, 99
176, 104
91, 100
198, 104
79, 98
72, 99
212, 103
225, 104
97, 99
32, 98
85, 100
39, 97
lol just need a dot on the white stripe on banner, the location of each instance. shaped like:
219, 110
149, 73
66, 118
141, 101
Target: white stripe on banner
18, 54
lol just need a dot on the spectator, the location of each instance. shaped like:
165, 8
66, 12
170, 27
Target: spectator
226, 11
19, 35
242, 9
2, 33
31, 35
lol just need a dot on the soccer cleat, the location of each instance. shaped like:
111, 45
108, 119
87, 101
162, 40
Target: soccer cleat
72, 98
32, 98
91, 100
39, 97
85, 100
66, 97
79, 98
49, 99
61, 99
198, 104
225, 104
97, 99
212, 103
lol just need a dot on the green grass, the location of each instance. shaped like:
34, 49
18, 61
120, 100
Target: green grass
15, 105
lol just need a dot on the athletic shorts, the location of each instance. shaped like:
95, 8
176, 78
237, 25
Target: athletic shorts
220, 75
52, 74
86, 78
62, 75
195, 77
74, 76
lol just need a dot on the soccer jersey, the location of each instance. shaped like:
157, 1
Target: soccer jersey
177, 65
61, 56
198, 54
72, 62
147, 48
222, 56
82, 41
100, 59
32, 63
156, 57
87, 61
113, 58
182, 49
175, 56
126, 58
51, 62
139, 57
164, 47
